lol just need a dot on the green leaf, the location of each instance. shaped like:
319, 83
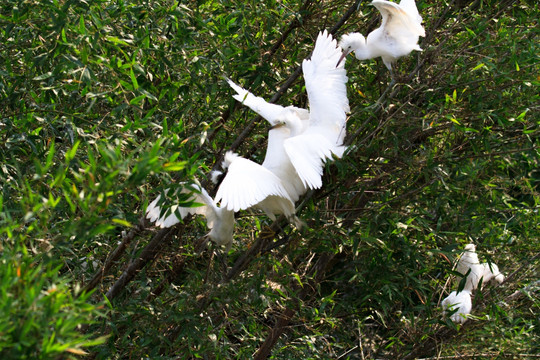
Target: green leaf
479, 66
82, 27
122, 222
137, 100
133, 79
70, 154
174, 166
44, 76
297, 277
115, 40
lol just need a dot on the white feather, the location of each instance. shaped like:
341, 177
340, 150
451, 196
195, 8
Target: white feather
478, 272
460, 302
326, 88
249, 184
270, 112
220, 221
398, 35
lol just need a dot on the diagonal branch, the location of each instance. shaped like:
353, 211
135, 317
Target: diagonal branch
161, 239
115, 255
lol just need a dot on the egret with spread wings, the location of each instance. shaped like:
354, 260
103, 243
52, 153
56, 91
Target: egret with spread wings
301, 140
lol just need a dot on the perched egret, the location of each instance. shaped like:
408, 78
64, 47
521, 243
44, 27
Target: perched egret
396, 37
220, 221
461, 303
485, 272
300, 140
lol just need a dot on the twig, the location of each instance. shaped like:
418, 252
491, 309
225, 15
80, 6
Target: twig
318, 271
294, 24
115, 255
159, 240
243, 260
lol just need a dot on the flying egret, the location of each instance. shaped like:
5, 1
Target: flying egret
485, 272
301, 140
460, 302
219, 220
248, 184
396, 37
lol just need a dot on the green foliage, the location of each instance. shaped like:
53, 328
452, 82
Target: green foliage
40, 316
107, 104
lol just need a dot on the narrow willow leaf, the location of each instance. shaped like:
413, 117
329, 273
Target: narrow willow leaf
82, 27
175, 166
137, 100
44, 76
479, 66
122, 222
70, 154
133, 79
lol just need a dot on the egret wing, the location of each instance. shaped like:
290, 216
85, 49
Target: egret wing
153, 213
197, 195
396, 20
267, 110
326, 89
246, 184
308, 153
410, 7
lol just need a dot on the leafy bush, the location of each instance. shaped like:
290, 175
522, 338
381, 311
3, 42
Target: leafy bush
106, 104
41, 317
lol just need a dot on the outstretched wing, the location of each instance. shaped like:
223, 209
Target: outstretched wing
410, 7
169, 218
308, 153
246, 184
326, 89
399, 20
265, 109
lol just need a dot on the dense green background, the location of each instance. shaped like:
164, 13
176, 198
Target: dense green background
103, 104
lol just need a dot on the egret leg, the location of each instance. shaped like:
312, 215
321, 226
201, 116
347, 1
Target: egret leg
222, 254
200, 244
209, 265
393, 81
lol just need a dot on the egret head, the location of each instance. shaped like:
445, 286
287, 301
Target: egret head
470, 247
351, 42
292, 121
229, 159
288, 119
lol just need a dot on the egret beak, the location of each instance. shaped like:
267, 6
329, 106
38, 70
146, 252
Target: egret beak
342, 57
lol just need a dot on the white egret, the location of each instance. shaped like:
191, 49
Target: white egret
461, 303
491, 272
220, 221
301, 140
248, 184
478, 272
396, 37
